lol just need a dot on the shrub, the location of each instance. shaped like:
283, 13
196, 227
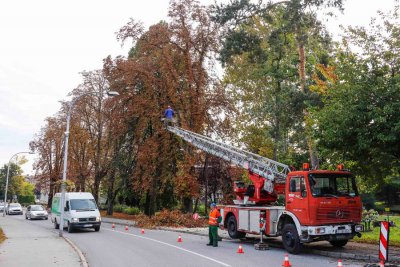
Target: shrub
368, 201
119, 208
131, 210
369, 216
26, 200
102, 207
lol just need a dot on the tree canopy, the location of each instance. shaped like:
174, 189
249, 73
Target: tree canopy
286, 91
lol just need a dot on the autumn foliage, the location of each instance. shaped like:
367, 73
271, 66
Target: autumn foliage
165, 218
119, 146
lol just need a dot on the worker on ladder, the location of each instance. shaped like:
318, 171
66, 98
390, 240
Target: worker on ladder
169, 116
213, 220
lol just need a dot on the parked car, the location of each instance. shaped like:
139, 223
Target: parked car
2, 207
36, 212
14, 208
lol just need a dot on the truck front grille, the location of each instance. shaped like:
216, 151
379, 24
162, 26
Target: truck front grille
342, 214
92, 219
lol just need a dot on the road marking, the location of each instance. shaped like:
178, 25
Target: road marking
170, 245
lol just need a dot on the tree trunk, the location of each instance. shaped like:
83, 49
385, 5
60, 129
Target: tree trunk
110, 194
187, 204
196, 204
205, 173
150, 206
302, 74
96, 187
302, 67
313, 154
51, 193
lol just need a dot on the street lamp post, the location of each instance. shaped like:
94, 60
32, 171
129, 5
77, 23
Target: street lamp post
64, 178
8, 174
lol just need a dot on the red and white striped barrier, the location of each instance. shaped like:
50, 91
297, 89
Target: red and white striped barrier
384, 241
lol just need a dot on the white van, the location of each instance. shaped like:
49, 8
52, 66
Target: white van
80, 211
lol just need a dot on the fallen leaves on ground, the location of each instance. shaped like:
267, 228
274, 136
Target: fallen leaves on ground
2, 236
166, 218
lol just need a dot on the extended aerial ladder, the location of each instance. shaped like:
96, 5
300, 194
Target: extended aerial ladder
268, 176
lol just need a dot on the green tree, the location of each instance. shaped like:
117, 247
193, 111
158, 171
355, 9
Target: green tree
360, 120
17, 185
293, 31
262, 74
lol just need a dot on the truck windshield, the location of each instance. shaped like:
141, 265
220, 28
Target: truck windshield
83, 204
332, 185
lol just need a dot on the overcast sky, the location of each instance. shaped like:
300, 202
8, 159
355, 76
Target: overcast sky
44, 44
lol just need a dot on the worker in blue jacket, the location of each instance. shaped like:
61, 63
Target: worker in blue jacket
169, 115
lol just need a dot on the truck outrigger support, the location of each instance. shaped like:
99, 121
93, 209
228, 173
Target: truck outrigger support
261, 245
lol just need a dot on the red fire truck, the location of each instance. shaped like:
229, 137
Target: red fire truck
319, 204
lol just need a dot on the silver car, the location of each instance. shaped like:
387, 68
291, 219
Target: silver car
2, 207
36, 212
14, 208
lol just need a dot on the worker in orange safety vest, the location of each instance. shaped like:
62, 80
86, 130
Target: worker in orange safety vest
213, 220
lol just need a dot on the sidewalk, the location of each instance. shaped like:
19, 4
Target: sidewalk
353, 250
31, 245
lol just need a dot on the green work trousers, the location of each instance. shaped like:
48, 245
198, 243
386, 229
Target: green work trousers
213, 235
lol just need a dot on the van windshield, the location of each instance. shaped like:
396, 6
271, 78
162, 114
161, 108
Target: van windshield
83, 204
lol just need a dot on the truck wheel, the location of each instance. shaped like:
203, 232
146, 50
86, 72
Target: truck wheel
338, 243
56, 225
290, 239
70, 228
232, 228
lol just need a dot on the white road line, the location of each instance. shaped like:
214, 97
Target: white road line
186, 250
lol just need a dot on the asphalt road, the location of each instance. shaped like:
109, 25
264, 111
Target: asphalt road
160, 248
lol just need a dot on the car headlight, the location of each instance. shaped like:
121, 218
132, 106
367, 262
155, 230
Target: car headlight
98, 219
320, 230
75, 220
358, 228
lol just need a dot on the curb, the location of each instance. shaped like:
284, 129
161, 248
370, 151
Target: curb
333, 254
82, 258
127, 222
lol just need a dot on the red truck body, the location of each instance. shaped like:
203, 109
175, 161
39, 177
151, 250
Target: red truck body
319, 205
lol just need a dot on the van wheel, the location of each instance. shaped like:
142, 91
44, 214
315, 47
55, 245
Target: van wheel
233, 229
97, 228
70, 228
56, 225
338, 243
290, 239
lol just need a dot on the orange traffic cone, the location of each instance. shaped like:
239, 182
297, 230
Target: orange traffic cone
286, 262
179, 239
126, 228
142, 231
339, 263
240, 249
113, 226
381, 263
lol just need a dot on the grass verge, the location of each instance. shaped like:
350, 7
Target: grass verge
372, 237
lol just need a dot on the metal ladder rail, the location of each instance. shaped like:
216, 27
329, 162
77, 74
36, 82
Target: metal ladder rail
260, 165
249, 154
275, 167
